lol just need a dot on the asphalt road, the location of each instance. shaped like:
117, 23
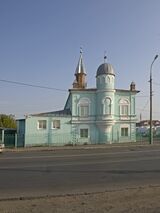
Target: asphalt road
57, 172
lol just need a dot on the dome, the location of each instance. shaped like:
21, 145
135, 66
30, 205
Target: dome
105, 69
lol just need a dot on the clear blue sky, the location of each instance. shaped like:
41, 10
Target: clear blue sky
40, 42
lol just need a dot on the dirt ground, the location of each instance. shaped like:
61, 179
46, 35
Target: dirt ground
138, 200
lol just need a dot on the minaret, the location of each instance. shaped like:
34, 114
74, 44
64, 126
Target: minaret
105, 101
80, 73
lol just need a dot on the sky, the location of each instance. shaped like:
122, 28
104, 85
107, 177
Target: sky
40, 44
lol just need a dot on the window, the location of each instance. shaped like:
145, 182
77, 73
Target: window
103, 80
84, 111
42, 124
56, 124
124, 132
108, 79
84, 133
107, 106
83, 107
124, 107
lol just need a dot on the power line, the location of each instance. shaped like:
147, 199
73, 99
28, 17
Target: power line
52, 88
142, 96
143, 109
146, 110
32, 85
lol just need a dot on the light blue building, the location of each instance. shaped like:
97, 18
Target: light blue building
98, 115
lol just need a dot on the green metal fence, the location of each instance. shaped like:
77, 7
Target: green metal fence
141, 137
8, 137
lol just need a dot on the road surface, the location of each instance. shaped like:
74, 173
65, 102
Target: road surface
57, 172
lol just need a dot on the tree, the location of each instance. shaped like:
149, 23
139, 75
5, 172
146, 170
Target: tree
7, 121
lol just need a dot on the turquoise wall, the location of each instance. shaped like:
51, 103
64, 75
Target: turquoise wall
93, 134
78, 95
102, 128
48, 136
69, 132
104, 122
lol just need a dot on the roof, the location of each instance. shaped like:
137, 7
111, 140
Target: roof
83, 90
80, 66
105, 68
64, 112
125, 90
94, 90
10, 129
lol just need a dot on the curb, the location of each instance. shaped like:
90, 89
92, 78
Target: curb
82, 147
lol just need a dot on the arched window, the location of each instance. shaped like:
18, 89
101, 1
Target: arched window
108, 79
124, 107
107, 106
83, 107
103, 80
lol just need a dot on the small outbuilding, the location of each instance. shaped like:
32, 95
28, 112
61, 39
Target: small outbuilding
8, 137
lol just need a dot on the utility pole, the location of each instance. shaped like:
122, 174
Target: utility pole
151, 131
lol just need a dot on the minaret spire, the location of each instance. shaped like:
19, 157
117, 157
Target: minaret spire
81, 50
105, 57
80, 73
80, 66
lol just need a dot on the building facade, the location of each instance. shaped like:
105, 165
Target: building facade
100, 115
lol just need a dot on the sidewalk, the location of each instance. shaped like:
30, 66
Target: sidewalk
79, 147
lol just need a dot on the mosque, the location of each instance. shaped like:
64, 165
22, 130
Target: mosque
100, 115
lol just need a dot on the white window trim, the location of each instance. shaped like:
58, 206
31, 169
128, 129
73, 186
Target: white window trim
127, 132
104, 107
53, 125
87, 132
84, 126
124, 102
125, 126
38, 124
86, 103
